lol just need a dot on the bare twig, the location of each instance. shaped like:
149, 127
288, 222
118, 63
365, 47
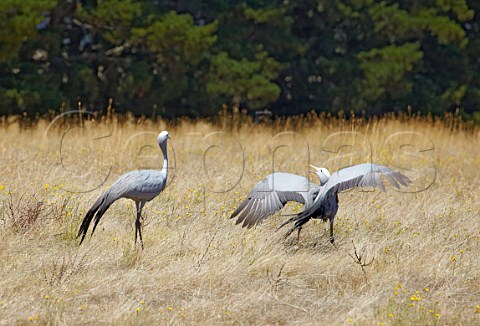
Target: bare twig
276, 281
63, 268
361, 259
202, 257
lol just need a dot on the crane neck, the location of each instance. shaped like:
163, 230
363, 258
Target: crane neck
163, 147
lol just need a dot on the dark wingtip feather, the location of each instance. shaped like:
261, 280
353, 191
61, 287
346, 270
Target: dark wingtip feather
406, 179
240, 208
380, 183
392, 180
86, 222
82, 231
243, 212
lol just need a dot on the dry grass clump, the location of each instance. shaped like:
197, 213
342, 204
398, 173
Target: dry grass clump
401, 257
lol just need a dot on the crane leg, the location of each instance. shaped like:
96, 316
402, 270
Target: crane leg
298, 226
138, 223
299, 229
332, 239
290, 232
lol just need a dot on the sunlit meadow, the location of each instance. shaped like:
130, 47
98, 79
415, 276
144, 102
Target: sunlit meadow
401, 257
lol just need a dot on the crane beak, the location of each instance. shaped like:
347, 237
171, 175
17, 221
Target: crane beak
313, 171
315, 167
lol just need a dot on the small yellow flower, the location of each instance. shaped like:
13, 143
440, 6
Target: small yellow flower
170, 308
142, 302
414, 298
46, 186
453, 258
426, 289
390, 315
47, 297
137, 309
437, 315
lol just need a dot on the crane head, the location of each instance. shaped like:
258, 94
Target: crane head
322, 174
162, 137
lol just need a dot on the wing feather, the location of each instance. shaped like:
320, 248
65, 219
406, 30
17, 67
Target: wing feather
271, 194
363, 175
392, 180
379, 182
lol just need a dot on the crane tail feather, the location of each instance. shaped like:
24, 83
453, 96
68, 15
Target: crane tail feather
97, 211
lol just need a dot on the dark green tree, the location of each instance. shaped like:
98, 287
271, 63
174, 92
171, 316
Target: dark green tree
175, 58
20, 89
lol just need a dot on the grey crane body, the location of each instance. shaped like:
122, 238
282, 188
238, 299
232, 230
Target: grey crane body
140, 186
321, 202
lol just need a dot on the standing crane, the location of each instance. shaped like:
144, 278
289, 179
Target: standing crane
320, 201
140, 186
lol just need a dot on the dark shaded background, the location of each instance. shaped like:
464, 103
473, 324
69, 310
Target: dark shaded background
177, 58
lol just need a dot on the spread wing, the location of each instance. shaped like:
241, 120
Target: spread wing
271, 194
363, 175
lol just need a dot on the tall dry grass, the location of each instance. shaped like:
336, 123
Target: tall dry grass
198, 267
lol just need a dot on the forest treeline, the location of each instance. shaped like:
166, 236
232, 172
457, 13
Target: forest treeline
175, 58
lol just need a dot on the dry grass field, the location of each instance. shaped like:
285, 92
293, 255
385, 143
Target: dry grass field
198, 267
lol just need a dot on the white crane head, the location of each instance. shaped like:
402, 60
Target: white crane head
162, 137
322, 173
